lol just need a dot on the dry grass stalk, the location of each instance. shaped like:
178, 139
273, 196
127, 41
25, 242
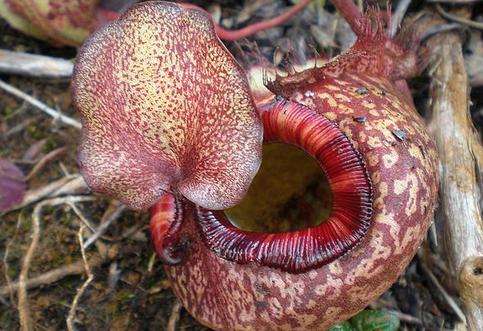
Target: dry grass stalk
57, 274
45, 160
174, 317
23, 305
6, 266
451, 302
107, 221
68, 185
459, 19
81, 290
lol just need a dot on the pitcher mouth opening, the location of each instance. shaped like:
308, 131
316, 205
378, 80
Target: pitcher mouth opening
308, 243
290, 192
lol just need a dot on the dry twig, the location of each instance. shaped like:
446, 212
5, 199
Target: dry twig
451, 302
17, 128
174, 317
6, 254
45, 160
433, 30
81, 216
101, 229
162, 285
81, 290
40, 105
397, 16
32, 65
23, 305
458, 19
461, 160
406, 317
73, 184
57, 274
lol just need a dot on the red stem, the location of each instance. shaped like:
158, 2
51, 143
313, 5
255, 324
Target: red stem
105, 16
232, 35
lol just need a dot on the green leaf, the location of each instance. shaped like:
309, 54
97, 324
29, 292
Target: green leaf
375, 320
344, 326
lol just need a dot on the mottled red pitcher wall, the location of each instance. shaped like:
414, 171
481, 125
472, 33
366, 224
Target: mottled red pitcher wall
402, 162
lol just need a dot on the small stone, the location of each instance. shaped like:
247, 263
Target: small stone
399, 134
360, 119
362, 90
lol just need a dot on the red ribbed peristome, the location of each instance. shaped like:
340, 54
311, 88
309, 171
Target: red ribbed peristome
306, 249
166, 222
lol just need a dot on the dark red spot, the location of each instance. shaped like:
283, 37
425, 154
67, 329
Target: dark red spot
360, 119
362, 90
399, 134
